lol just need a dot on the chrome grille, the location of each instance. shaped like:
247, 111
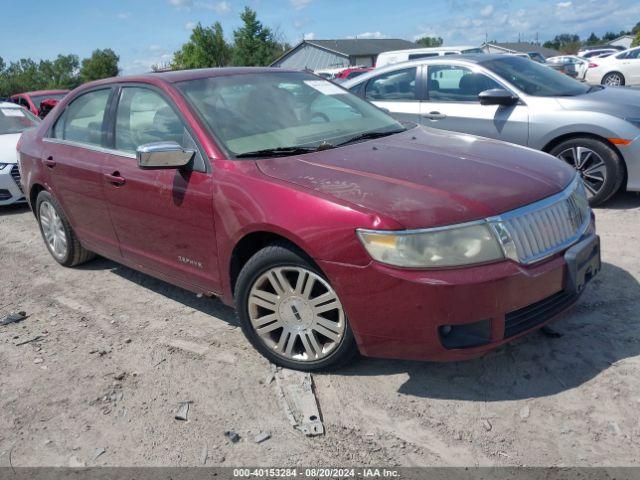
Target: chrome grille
541, 229
15, 173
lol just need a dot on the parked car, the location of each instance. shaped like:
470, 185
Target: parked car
594, 129
600, 52
398, 56
590, 48
32, 101
350, 73
616, 70
572, 65
331, 226
13, 121
329, 73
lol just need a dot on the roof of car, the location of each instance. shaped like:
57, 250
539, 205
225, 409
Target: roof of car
42, 92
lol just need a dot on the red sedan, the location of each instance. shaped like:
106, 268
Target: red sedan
33, 101
329, 225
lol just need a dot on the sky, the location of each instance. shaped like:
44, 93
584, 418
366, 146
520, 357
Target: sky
147, 32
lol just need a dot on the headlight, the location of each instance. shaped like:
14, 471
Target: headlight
3, 165
438, 247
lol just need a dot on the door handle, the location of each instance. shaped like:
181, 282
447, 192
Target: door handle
49, 162
435, 116
115, 179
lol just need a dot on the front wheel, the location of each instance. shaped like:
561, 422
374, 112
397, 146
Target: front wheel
613, 79
598, 164
290, 313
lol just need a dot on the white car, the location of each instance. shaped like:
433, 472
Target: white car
397, 56
13, 121
571, 65
615, 70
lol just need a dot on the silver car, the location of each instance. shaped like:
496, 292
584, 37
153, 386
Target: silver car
596, 129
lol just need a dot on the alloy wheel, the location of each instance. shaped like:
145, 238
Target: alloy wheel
613, 80
589, 165
296, 314
53, 230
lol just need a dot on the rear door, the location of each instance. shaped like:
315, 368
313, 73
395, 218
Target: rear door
74, 153
452, 104
631, 67
163, 218
396, 91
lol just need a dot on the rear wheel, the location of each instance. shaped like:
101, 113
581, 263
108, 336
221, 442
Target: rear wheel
598, 164
613, 79
60, 239
290, 312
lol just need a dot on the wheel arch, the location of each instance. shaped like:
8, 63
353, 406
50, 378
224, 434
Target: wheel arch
36, 188
253, 242
573, 135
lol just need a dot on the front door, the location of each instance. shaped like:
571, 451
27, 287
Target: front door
163, 218
452, 104
396, 92
74, 154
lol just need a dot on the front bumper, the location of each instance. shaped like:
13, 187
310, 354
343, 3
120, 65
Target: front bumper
10, 189
631, 155
398, 313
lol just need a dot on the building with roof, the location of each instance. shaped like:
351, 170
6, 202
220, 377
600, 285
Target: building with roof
325, 54
624, 41
519, 47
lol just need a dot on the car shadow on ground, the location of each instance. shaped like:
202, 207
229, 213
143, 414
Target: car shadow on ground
15, 209
602, 329
209, 306
622, 201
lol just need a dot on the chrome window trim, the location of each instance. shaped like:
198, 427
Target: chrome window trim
88, 146
497, 226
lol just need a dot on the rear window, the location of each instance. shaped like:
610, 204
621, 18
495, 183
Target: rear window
16, 120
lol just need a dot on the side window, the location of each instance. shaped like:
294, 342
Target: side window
83, 120
399, 85
451, 83
145, 117
23, 103
633, 54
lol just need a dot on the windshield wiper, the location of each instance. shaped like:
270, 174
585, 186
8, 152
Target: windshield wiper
277, 152
369, 136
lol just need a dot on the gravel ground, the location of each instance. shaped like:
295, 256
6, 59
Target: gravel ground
120, 350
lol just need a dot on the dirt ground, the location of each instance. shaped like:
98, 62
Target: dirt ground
120, 350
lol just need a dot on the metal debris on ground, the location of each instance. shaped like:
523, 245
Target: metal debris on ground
262, 437
34, 339
550, 332
98, 452
295, 390
183, 409
232, 436
487, 425
13, 317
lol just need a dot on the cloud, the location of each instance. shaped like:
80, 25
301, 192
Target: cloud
218, 7
300, 4
124, 15
190, 26
181, 4
486, 11
564, 4
370, 35
309, 36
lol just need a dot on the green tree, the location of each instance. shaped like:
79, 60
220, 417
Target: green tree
61, 72
429, 41
565, 42
101, 64
593, 39
636, 41
254, 44
206, 48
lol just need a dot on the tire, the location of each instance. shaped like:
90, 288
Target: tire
600, 166
67, 251
613, 79
275, 292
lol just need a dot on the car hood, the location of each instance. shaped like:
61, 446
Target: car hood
8, 144
619, 101
426, 177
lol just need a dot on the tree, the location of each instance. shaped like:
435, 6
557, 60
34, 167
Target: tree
593, 39
636, 29
565, 42
254, 44
101, 64
61, 73
206, 48
429, 41
636, 41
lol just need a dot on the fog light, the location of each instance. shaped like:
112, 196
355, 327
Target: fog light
465, 335
445, 330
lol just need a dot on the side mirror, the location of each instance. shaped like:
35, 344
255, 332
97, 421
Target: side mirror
497, 96
163, 155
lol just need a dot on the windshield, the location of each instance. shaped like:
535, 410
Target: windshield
37, 99
534, 79
282, 110
16, 120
